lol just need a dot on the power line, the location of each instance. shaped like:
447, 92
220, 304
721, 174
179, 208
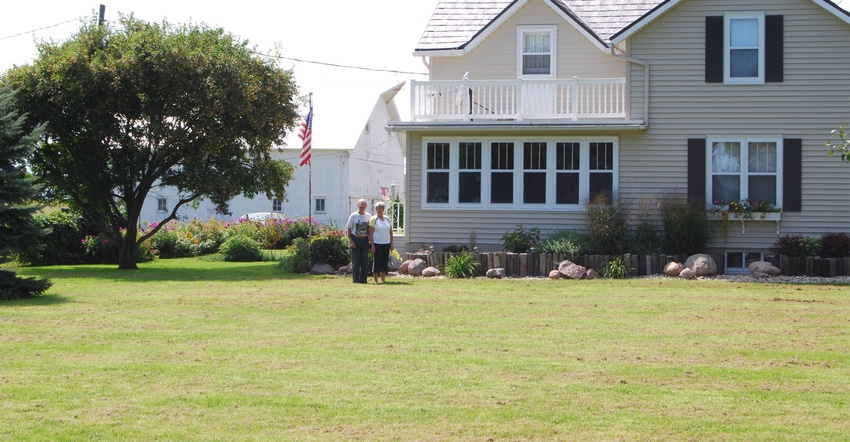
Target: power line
41, 29
299, 60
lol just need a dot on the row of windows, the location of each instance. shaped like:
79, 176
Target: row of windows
558, 172
565, 173
277, 205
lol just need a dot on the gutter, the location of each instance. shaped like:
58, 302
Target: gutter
645, 80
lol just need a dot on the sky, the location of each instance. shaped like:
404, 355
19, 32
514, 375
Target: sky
344, 52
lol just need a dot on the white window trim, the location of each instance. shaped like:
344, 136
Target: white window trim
162, 204
553, 49
745, 141
518, 170
727, 62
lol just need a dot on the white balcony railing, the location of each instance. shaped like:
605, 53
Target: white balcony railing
575, 99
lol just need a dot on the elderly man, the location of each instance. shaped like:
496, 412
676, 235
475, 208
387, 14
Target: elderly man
357, 229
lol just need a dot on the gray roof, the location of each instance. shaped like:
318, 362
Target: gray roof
455, 23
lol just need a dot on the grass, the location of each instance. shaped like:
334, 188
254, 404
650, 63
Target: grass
200, 350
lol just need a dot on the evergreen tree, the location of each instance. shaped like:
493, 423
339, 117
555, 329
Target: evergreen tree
18, 229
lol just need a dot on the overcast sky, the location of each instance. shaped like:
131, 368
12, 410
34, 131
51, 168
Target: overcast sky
375, 35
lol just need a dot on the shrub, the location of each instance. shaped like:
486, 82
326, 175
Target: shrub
616, 269
462, 265
570, 244
169, 244
835, 245
62, 244
687, 228
608, 226
297, 258
521, 240
329, 247
100, 250
240, 248
796, 246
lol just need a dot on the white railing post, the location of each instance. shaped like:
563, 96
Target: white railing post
575, 98
465, 102
520, 105
413, 100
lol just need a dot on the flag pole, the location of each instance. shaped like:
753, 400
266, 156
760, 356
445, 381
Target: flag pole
306, 134
310, 191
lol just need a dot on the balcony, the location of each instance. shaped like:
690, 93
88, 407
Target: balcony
575, 99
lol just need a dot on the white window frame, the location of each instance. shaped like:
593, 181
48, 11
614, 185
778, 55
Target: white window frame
316, 204
727, 49
552, 31
744, 169
518, 172
277, 205
162, 204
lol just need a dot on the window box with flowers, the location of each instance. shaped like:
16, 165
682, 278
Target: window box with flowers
744, 210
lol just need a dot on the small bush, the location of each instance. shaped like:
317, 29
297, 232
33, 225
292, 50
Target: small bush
462, 265
608, 226
521, 240
329, 247
616, 269
240, 248
796, 246
15, 287
570, 244
62, 244
834, 245
687, 228
297, 257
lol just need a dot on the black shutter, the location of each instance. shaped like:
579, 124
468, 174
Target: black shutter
792, 175
714, 49
774, 48
696, 170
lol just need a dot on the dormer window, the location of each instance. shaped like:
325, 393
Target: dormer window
536, 50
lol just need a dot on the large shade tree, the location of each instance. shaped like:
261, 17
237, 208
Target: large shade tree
135, 105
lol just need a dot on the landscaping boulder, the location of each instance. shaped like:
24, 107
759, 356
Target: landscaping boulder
554, 274
322, 268
763, 269
591, 274
416, 267
429, 272
569, 269
496, 273
688, 273
403, 269
702, 264
344, 270
673, 268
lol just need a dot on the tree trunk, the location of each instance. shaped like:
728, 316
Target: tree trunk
128, 250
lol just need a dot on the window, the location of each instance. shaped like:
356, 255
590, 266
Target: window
469, 177
745, 169
319, 206
536, 50
437, 163
534, 173
602, 171
537, 173
162, 204
744, 49
501, 175
276, 205
744, 53
738, 262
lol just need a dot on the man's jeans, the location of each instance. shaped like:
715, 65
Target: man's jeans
360, 259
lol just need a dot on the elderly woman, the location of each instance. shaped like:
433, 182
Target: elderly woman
381, 241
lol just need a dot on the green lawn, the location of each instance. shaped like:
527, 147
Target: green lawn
198, 350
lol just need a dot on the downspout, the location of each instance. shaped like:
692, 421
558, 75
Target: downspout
645, 79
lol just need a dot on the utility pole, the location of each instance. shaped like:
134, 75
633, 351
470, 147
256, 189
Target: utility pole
102, 15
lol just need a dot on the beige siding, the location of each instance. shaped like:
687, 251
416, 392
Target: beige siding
812, 100
496, 57
809, 104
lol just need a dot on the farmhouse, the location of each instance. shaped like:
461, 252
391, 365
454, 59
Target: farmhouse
533, 107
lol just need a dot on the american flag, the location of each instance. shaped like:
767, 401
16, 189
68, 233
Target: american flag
306, 134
